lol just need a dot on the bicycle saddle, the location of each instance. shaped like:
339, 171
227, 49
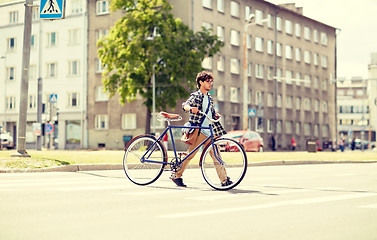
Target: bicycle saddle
170, 115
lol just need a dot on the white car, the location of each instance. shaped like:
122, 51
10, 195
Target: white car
6, 141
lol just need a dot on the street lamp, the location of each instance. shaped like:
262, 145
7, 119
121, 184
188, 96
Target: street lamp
245, 65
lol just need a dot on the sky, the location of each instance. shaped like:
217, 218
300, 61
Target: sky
357, 22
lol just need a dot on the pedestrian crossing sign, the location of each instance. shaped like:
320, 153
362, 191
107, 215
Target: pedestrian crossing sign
52, 9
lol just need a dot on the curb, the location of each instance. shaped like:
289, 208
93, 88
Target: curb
98, 167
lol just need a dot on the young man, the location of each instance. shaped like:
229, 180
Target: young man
200, 101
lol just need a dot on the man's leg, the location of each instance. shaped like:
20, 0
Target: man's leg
199, 140
220, 169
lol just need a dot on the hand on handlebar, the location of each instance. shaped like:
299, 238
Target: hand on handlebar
194, 110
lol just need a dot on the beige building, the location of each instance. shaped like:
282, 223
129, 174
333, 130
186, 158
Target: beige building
290, 61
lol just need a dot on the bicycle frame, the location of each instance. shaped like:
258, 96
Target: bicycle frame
169, 128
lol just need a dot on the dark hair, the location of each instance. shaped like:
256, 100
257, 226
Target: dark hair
202, 76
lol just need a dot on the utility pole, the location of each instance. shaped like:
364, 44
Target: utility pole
21, 140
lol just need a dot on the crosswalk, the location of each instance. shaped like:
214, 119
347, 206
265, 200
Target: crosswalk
274, 195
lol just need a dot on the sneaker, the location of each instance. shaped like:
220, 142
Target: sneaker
179, 182
227, 182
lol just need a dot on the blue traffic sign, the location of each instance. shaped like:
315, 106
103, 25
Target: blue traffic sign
49, 128
52, 9
53, 98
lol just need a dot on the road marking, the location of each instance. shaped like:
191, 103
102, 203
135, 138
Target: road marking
268, 205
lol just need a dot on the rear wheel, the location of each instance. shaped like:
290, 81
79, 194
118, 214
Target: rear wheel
143, 148
219, 165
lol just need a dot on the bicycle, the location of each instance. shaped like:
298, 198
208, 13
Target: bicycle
145, 156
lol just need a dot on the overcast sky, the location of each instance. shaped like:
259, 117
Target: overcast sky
357, 21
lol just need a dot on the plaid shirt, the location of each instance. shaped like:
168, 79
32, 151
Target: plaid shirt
196, 100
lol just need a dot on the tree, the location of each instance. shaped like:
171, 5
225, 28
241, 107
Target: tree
147, 40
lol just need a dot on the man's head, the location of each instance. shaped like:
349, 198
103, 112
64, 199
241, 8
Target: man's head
202, 77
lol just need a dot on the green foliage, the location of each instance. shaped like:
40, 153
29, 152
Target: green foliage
174, 54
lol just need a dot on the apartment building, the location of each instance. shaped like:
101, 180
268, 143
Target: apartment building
58, 56
291, 59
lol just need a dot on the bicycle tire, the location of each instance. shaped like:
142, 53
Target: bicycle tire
234, 167
137, 171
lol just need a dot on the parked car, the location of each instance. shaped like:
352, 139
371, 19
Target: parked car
6, 141
251, 141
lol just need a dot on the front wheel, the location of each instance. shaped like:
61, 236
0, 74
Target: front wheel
137, 160
223, 169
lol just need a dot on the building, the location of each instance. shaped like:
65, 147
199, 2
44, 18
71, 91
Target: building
372, 93
288, 92
58, 56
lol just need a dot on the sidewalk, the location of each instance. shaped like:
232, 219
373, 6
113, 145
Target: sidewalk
89, 160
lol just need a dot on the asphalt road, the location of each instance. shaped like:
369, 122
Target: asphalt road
327, 201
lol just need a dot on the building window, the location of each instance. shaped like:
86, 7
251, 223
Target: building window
288, 127
316, 105
278, 126
258, 70
101, 95
259, 17
13, 17
221, 33
288, 51
102, 122
288, 77
259, 124
51, 69
35, 13
51, 39
11, 103
234, 66
221, 64
234, 94
74, 68
324, 40
100, 33
307, 33
298, 103
249, 65
73, 99
316, 82
298, 77
288, 27
279, 74
102, 7
234, 37
270, 73
248, 41
207, 63
73, 128
324, 107
259, 98
269, 125
315, 36
208, 26
316, 130
234, 9
11, 44
129, 121
307, 129
76, 6
298, 30
259, 44
207, 4
278, 101
324, 84
278, 49
324, 61
220, 93
99, 67
307, 57
74, 36
247, 12
220, 6
10, 73
307, 81
279, 24
32, 102
270, 47
315, 59
270, 21
298, 54
307, 104
298, 129
325, 131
